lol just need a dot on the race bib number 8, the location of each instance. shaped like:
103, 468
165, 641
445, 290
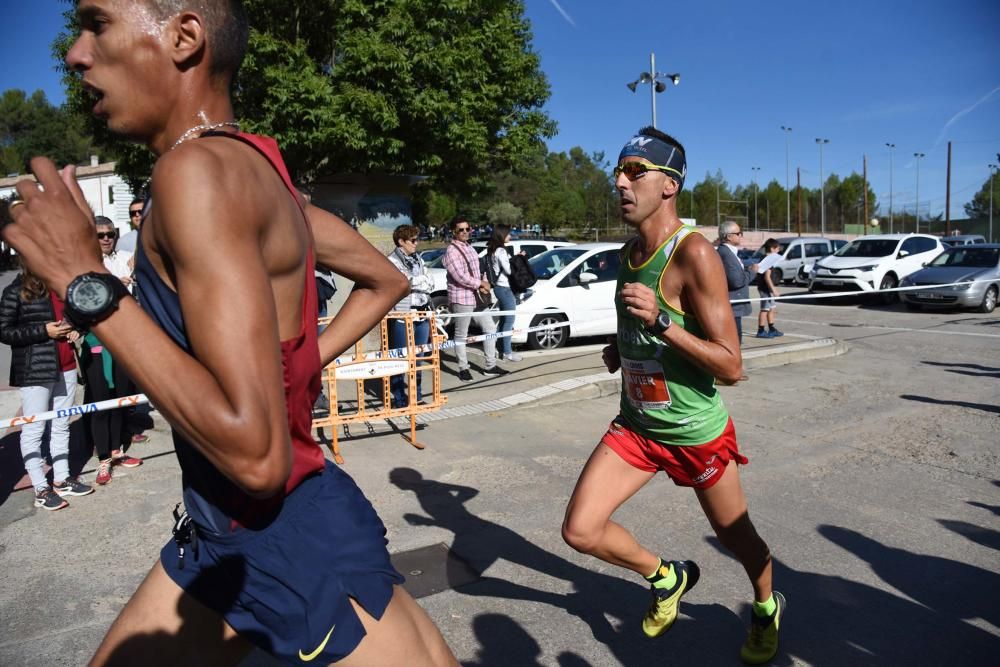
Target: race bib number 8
645, 385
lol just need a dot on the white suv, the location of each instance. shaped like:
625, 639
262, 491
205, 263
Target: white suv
874, 262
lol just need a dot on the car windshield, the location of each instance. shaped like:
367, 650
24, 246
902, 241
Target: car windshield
968, 256
551, 262
868, 248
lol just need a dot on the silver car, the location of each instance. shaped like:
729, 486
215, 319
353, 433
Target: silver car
979, 263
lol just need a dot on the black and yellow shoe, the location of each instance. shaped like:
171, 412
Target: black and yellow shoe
762, 642
663, 610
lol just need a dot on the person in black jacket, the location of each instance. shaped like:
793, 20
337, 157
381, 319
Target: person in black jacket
738, 277
42, 364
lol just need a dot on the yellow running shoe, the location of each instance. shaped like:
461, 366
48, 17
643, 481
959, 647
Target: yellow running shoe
762, 642
663, 610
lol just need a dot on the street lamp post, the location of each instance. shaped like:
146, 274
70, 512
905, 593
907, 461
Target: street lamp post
788, 194
916, 224
753, 179
891, 146
993, 168
656, 80
822, 189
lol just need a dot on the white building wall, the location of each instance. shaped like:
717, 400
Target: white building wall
105, 192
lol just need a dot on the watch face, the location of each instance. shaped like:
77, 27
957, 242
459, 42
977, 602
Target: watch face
90, 296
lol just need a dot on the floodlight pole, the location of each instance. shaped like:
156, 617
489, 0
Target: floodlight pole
788, 194
652, 84
891, 146
992, 171
916, 223
822, 189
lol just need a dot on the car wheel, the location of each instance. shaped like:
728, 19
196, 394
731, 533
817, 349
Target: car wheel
776, 276
989, 300
442, 310
548, 339
888, 282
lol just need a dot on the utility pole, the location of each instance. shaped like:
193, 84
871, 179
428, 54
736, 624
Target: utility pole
992, 169
916, 217
788, 194
798, 188
753, 177
864, 188
947, 196
891, 146
822, 189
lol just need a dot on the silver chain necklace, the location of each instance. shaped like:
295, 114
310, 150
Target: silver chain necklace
188, 134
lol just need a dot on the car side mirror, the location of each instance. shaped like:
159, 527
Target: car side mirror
587, 277
903, 253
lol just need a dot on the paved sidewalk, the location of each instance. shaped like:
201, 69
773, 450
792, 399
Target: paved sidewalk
65, 575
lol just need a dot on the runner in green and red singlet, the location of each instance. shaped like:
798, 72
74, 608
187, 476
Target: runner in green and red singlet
676, 335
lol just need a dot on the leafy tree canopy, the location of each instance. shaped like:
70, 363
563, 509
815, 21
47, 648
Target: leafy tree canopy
30, 126
449, 89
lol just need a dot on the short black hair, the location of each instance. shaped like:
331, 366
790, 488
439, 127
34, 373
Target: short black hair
137, 200
456, 220
650, 131
226, 27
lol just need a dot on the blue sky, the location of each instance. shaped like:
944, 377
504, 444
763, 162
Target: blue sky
916, 74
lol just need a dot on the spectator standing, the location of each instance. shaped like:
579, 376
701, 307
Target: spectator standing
127, 242
767, 291
121, 264
104, 379
738, 277
43, 367
464, 281
499, 271
406, 259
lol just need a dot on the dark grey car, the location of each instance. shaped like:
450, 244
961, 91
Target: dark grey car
979, 264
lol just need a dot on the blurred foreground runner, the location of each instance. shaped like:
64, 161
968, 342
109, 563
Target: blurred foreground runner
277, 547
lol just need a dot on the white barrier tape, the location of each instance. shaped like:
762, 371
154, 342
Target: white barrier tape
86, 408
139, 399
831, 295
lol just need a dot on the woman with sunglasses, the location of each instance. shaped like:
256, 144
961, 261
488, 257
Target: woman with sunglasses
498, 266
406, 259
43, 367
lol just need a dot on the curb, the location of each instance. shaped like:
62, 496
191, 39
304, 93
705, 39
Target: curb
765, 357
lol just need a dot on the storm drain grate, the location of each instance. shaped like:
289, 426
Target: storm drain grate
432, 569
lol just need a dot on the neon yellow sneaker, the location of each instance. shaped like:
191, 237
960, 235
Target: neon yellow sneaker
663, 610
762, 642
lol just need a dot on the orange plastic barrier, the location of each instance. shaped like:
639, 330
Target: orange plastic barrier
371, 372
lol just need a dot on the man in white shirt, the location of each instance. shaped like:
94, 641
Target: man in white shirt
118, 262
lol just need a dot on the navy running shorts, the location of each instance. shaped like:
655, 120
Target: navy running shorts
287, 588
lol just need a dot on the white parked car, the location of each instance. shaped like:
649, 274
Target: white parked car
796, 252
576, 284
439, 295
874, 262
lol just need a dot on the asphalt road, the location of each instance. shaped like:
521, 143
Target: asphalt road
874, 477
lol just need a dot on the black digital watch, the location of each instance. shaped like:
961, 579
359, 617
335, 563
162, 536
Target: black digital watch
91, 298
660, 324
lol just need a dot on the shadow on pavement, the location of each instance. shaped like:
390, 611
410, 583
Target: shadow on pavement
987, 537
985, 407
833, 620
12, 466
595, 597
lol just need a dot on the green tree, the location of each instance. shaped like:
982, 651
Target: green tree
30, 126
979, 207
449, 89
504, 213
851, 202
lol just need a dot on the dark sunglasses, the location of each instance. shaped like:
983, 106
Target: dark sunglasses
634, 170
135, 213
107, 235
463, 229
735, 234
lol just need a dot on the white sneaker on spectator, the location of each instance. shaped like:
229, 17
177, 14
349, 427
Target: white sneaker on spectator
513, 356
